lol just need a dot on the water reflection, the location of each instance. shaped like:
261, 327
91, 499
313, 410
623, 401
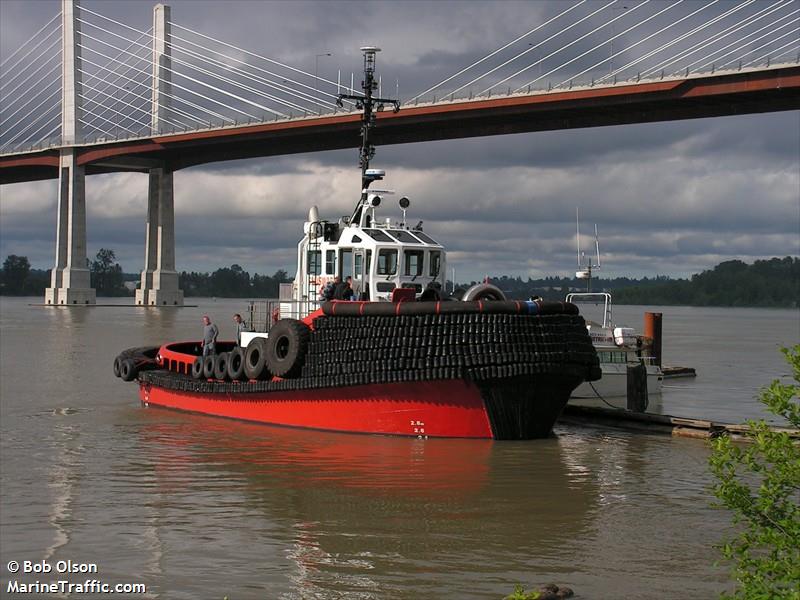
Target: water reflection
349, 511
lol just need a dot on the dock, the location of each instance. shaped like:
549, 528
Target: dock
659, 424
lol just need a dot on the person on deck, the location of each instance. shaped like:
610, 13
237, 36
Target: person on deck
210, 333
241, 325
344, 291
330, 289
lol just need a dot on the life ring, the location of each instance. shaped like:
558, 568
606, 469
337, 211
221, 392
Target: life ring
236, 364
286, 348
255, 360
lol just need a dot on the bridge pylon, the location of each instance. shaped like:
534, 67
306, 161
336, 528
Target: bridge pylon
69, 280
159, 283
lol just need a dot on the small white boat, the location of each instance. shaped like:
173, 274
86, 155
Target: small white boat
617, 348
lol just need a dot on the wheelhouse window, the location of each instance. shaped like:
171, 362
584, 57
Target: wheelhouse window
378, 235
403, 236
413, 262
346, 262
426, 238
436, 263
357, 262
314, 262
387, 262
330, 262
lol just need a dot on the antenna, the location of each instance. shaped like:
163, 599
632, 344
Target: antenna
578, 232
368, 103
597, 245
585, 270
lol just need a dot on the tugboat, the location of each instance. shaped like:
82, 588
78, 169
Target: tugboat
401, 359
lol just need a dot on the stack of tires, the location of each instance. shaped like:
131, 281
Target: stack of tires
280, 355
349, 350
130, 362
352, 349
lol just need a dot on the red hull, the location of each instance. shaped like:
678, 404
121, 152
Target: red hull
452, 408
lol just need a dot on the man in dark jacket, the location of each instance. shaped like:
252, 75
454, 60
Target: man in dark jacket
344, 291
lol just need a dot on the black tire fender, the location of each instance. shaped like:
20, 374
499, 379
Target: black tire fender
236, 364
117, 363
286, 348
208, 366
484, 291
128, 370
221, 366
255, 366
197, 368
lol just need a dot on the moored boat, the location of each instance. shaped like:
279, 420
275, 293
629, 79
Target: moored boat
403, 359
618, 348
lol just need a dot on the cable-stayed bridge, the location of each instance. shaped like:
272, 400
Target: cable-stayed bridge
87, 93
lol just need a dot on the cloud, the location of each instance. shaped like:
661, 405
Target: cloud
668, 198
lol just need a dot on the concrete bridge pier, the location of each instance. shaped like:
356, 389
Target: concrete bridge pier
159, 283
69, 279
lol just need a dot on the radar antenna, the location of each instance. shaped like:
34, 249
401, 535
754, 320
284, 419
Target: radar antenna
369, 105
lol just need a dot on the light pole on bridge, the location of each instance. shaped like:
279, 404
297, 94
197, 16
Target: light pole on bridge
316, 67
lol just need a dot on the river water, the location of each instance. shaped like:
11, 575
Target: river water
197, 507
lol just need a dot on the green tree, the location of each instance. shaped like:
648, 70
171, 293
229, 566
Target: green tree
15, 271
760, 484
106, 274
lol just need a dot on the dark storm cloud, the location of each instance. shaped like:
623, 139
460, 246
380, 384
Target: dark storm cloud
672, 198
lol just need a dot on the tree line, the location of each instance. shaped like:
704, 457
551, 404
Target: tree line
766, 283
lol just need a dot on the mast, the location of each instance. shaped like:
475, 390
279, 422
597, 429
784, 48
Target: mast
369, 105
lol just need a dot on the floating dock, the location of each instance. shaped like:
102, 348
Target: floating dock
663, 424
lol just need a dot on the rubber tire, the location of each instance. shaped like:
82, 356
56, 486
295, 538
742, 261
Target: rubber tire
221, 366
236, 364
255, 366
208, 366
117, 363
286, 348
128, 370
197, 368
484, 291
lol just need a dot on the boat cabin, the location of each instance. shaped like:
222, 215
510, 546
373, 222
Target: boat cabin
379, 254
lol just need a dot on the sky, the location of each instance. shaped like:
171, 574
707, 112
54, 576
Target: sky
670, 198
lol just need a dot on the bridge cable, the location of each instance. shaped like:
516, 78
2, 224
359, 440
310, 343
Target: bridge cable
703, 43
275, 62
641, 41
7, 83
194, 80
44, 89
532, 48
263, 80
57, 105
684, 53
30, 99
488, 56
772, 30
575, 41
10, 56
766, 55
182, 100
